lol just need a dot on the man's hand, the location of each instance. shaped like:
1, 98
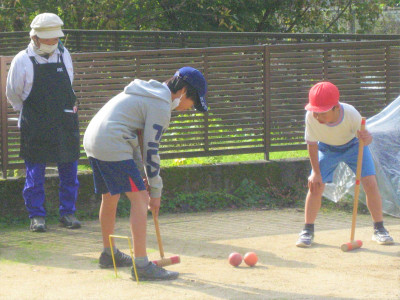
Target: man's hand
154, 205
314, 181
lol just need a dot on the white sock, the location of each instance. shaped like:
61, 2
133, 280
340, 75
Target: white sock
141, 262
108, 250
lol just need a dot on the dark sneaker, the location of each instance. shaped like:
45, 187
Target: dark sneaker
305, 240
153, 272
38, 224
121, 260
70, 221
382, 237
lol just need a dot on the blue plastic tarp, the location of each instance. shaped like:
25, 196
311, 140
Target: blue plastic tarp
385, 149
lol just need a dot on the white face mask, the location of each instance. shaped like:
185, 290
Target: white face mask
44, 49
48, 49
176, 102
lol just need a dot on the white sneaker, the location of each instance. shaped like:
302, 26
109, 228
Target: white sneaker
305, 240
382, 237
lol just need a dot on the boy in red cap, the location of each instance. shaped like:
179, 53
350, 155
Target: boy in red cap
331, 135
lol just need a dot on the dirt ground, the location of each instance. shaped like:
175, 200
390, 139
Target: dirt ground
62, 264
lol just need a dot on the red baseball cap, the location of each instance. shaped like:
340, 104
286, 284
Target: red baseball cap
322, 97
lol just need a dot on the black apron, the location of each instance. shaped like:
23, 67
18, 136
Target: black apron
49, 131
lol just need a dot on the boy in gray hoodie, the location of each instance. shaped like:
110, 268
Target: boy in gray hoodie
111, 143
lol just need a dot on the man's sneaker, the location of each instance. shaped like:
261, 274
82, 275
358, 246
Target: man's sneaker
70, 221
382, 237
38, 224
121, 260
153, 272
305, 239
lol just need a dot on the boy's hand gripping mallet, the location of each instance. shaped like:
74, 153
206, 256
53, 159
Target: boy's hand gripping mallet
356, 244
163, 261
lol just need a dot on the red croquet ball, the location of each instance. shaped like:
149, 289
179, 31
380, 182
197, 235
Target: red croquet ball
250, 258
235, 259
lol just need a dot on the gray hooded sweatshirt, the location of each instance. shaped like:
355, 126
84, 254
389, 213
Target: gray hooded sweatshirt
112, 133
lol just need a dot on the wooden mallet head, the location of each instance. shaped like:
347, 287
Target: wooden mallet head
163, 262
351, 246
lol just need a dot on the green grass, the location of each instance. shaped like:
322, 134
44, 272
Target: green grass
232, 158
209, 160
84, 168
8, 261
26, 254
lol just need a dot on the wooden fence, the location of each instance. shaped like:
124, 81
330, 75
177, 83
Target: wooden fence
131, 40
256, 93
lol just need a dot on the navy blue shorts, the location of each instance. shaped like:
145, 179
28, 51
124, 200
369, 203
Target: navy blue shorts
330, 156
116, 177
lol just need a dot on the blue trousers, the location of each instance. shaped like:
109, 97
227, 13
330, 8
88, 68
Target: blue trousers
33, 192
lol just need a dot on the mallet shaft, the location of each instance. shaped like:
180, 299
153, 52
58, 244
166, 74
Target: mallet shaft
163, 261
155, 219
358, 178
159, 241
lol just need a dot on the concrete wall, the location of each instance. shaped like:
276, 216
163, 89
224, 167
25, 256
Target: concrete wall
191, 179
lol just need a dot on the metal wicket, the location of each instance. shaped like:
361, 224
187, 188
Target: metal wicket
130, 250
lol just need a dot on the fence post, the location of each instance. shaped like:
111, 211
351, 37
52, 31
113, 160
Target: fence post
78, 41
116, 40
183, 39
157, 41
267, 100
205, 115
387, 75
325, 64
3, 117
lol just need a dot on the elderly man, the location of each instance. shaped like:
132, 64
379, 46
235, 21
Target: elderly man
39, 85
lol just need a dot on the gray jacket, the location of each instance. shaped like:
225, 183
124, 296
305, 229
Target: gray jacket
112, 133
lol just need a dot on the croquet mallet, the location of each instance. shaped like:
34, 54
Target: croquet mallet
356, 244
163, 261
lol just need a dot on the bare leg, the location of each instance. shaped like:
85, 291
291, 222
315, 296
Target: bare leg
138, 221
313, 204
374, 201
108, 210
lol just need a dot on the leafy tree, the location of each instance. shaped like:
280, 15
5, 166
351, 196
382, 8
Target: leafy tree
200, 15
275, 15
389, 22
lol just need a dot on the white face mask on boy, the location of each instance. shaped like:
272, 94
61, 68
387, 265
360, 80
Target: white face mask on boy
175, 102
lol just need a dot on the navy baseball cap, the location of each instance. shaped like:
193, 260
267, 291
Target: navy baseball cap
196, 79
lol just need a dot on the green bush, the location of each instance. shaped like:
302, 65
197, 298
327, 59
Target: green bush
247, 195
